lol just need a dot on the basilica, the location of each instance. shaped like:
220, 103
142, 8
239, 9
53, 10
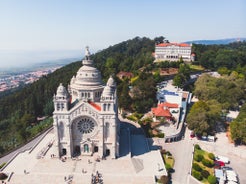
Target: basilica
86, 115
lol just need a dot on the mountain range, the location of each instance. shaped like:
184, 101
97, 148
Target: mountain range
219, 41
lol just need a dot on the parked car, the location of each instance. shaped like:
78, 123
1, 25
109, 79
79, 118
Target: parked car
204, 138
220, 163
211, 138
223, 159
231, 182
232, 178
192, 134
231, 173
226, 168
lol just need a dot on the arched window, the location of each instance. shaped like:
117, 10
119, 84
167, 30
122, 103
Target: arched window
61, 130
104, 107
107, 130
86, 148
108, 107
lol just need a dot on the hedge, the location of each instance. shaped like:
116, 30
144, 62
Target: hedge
211, 156
212, 179
205, 173
197, 147
197, 175
196, 167
207, 163
198, 157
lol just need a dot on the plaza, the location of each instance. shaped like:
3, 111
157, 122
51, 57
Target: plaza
136, 165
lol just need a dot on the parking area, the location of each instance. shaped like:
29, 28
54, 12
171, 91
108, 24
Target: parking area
222, 146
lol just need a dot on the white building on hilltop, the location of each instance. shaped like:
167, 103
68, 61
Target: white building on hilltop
172, 52
86, 116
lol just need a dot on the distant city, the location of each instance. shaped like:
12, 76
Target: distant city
14, 77
14, 81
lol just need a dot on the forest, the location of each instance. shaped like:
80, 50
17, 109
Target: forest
19, 109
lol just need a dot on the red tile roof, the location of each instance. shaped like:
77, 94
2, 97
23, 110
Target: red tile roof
161, 112
175, 44
125, 74
169, 105
95, 106
163, 109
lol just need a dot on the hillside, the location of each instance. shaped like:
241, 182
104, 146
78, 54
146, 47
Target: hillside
19, 110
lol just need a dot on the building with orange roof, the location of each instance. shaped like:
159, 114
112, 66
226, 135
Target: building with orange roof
123, 75
164, 110
172, 52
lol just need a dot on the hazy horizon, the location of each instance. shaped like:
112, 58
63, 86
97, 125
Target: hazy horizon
26, 58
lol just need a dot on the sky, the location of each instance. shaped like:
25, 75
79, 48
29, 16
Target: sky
51, 29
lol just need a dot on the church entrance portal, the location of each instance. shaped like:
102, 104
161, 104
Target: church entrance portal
96, 149
64, 151
107, 152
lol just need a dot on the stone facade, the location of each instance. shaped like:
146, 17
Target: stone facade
86, 115
172, 52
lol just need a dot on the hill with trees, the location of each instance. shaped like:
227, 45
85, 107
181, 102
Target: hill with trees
19, 110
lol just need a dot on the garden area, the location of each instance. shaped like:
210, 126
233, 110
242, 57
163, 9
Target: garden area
202, 166
148, 125
169, 163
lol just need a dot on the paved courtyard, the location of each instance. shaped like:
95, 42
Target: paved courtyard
27, 168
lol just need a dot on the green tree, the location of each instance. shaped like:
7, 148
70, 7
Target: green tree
202, 117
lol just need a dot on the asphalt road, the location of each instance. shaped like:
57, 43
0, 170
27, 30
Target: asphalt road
27, 146
182, 152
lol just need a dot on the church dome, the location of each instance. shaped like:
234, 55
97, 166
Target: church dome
61, 91
107, 92
87, 74
111, 82
109, 89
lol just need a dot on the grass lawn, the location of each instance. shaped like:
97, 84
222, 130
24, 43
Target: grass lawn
168, 160
196, 67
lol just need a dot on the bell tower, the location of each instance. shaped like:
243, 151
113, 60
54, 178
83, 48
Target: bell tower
61, 99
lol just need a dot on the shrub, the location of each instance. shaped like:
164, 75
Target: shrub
198, 157
211, 179
197, 175
205, 173
160, 135
168, 153
211, 156
197, 147
163, 180
207, 163
3, 164
196, 167
168, 167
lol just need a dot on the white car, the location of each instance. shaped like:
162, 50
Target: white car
232, 178
222, 159
231, 182
231, 173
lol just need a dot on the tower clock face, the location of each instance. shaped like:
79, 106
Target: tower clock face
86, 125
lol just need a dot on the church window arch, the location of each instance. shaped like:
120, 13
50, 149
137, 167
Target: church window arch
109, 107
58, 106
107, 132
104, 107
86, 148
61, 130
